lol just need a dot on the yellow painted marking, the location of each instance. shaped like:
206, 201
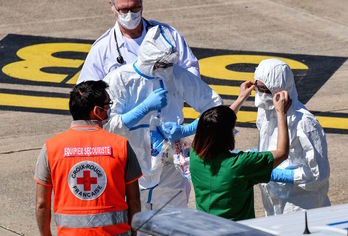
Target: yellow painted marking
243, 116
250, 117
190, 113
228, 90
34, 101
73, 79
39, 56
333, 122
29, 101
215, 67
247, 116
34, 58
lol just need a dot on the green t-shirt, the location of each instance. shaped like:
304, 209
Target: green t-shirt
224, 186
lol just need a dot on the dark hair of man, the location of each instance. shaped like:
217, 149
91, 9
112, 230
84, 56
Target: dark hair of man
214, 133
85, 96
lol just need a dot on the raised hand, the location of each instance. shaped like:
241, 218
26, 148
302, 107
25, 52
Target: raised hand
156, 100
282, 102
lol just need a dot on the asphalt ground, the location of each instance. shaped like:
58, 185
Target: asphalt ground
229, 38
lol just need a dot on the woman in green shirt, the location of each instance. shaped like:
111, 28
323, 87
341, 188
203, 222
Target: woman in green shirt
223, 180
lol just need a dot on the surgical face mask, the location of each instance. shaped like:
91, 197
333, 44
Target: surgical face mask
129, 20
264, 100
109, 113
102, 120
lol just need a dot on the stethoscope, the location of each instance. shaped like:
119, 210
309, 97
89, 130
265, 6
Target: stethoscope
120, 59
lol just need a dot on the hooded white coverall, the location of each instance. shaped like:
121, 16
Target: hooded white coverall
308, 148
129, 85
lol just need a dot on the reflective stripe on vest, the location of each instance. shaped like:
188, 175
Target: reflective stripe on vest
91, 220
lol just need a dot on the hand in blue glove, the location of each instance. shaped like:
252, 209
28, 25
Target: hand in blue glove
156, 100
173, 132
157, 141
283, 175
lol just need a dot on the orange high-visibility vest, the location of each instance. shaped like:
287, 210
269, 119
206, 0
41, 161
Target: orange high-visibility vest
88, 177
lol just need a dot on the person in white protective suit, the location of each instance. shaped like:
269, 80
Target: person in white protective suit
154, 88
301, 181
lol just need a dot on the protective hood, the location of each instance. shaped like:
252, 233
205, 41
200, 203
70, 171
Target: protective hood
277, 76
157, 46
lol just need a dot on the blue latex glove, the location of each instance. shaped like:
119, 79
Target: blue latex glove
156, 100
282, 175
157, 141
173, 132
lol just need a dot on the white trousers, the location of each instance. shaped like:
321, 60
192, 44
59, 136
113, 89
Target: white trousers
171, 183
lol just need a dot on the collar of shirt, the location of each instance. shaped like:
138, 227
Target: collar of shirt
119, 36
84, 124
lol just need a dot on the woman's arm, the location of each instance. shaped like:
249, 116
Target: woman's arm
244, 93
281, 103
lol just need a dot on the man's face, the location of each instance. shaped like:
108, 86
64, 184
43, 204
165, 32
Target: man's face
125, 6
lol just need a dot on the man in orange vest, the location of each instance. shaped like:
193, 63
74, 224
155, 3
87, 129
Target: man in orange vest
94, 173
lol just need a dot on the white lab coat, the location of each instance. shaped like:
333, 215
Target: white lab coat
102, 58
128, 88
308, 148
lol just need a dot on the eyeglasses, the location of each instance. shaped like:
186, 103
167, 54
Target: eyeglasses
126, 10
162, 65
109, 104
261, 88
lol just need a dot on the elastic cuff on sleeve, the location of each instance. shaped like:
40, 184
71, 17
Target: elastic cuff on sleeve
133, 180
42, 183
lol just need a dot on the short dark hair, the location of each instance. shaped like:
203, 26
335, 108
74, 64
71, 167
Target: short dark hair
85, 96
214, 133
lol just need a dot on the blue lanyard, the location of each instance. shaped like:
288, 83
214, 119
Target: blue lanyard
162, 86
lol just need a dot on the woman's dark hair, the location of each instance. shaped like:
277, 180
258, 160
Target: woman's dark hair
85, 96
214, 133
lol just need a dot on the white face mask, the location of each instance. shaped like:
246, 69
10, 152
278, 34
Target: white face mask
167, 72
129, 20
264, 100
163, 73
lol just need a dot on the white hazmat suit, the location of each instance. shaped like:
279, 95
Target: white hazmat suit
307, 168
130, 85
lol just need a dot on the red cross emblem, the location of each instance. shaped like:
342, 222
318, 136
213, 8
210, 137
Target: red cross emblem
87, 180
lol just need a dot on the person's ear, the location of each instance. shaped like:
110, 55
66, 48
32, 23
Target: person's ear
113, 7
95, 110
96, 113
